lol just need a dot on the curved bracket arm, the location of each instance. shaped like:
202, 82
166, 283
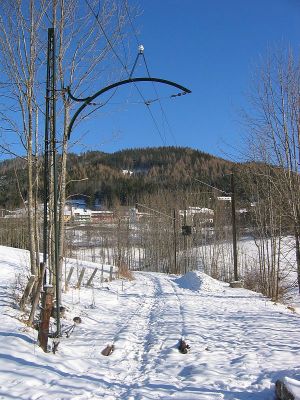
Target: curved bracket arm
88, 100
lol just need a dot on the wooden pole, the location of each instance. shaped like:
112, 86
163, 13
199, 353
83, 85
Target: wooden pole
89, 282
80, 278
69, 277
47, 304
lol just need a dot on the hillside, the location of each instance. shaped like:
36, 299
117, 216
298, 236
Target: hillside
103, 177
241, 342
127, 176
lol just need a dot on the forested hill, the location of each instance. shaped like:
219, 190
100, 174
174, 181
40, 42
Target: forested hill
97, 175
129, 175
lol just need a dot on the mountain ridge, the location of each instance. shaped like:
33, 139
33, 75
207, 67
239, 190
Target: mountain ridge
96, 175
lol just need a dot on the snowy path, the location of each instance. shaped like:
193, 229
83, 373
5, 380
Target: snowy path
160, 330
240, 342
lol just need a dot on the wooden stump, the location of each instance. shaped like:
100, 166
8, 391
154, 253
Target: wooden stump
282, 392
108, 350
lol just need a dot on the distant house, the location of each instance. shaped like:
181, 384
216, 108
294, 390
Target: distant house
81, 214
78, 214
197, 210
99, 216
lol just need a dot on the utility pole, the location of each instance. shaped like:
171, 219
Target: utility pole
55, 185
50, 169
233, 215
175, 242
46, 160
185, 243
48, 292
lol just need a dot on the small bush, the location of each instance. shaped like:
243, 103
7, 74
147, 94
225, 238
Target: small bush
124, 272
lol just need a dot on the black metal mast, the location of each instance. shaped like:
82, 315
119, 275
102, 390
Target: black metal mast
46, 155
50, 169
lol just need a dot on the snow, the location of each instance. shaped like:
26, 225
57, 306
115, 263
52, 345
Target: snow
293, 386
196, 280
241, 342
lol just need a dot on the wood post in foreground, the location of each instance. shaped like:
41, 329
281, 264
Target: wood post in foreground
47, 304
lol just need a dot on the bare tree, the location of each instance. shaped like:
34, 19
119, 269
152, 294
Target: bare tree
20, 26
86, 36
274, 129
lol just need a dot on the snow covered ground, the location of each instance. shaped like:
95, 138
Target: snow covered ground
241, 342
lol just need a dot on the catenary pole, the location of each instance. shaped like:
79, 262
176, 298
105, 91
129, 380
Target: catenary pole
51, 141
234, 243
46, 159
175, 242
55, 191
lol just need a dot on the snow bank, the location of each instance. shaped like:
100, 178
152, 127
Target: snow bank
196, 281
293, 387
240, 341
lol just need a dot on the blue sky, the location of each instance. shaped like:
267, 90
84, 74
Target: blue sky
209, 46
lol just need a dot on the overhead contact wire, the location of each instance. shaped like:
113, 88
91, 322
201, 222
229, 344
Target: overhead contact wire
125, 68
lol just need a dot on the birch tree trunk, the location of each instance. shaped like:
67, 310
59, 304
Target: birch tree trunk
20, 23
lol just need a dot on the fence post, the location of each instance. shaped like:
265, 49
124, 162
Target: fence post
89, 282
69, 277
80, 278
27, 291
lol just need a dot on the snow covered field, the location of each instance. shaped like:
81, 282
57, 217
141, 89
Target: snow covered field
241, 342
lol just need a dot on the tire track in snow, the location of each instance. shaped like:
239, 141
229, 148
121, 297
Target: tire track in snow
95, 315
184, 329
130, 334
130, 339
143, 338
164, 328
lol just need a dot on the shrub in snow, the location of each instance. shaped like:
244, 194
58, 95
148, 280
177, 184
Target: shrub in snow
183, 347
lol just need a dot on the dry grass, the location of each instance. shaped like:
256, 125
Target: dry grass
124, 272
